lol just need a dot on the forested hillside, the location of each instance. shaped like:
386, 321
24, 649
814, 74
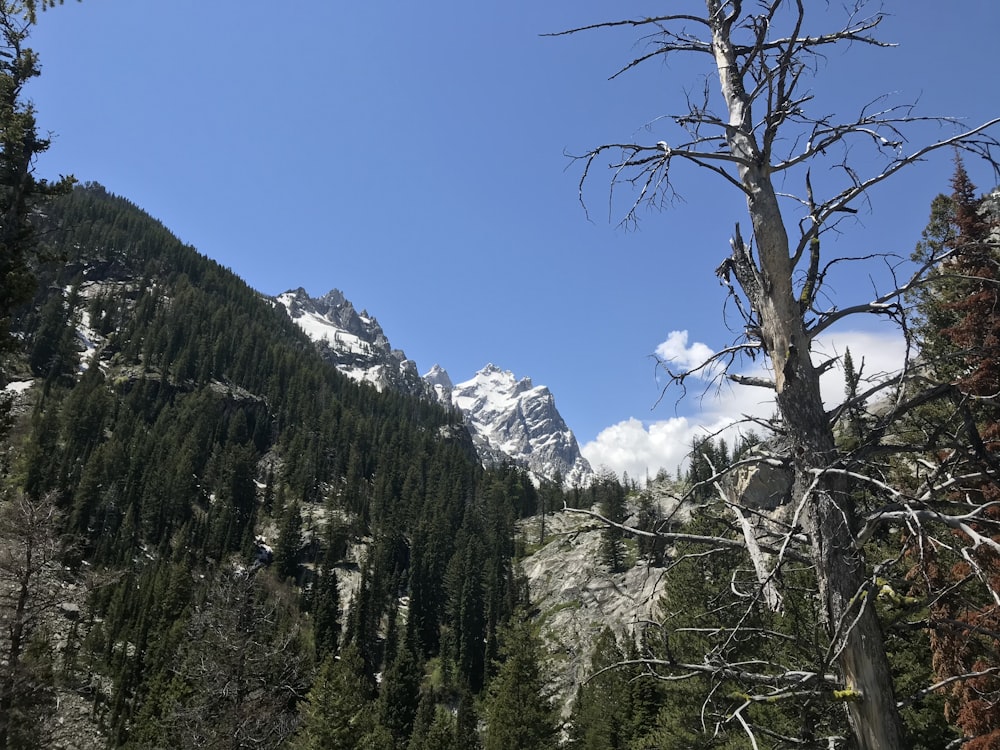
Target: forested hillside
174, 415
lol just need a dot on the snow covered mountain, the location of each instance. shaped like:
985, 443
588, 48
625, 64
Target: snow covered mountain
508, 419
354, 343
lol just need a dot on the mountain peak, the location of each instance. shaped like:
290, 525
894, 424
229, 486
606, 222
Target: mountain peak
440, 383
513, 418
503, 380
333, 298
355, 344
437, 375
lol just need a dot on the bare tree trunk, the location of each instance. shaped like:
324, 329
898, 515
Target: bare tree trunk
858, 643
763, 57
29, 546
859, 648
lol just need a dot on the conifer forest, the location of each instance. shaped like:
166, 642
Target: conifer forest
212, 538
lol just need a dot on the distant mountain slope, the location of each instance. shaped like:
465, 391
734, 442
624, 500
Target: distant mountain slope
510, 420
167, 418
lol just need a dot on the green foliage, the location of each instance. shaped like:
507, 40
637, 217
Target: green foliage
601, 718
238, 672
204, 416
704, 624
706, 459
609, 496
518, 710
289, 546
435, 728
52, 353
20, 144
959, 327
336, 711
326, 612
399, 695
855, 419
653, 549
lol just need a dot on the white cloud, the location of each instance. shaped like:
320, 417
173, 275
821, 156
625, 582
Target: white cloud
632, 447
641, 449
680, 356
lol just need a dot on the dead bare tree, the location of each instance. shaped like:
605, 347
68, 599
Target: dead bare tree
762, 56
240, 670
31, 546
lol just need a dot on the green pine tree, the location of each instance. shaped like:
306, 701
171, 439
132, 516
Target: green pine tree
289, 544
601, 712
20, 145
338, 709
518, 709
399, 696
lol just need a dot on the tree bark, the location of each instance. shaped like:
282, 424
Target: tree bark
838, 562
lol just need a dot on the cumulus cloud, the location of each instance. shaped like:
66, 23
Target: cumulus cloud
643, 448
639, 449
681, 356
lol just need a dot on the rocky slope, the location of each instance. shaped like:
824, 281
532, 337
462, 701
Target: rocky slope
353, 342
576, 596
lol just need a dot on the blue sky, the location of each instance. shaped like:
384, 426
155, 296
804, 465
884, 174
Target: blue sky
414, 156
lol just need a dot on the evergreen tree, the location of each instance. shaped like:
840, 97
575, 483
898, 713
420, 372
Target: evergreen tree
20, 190
855, 416
326, 612
289, 544
466, 724
976, 331
965, 353
936, 241
518, 709
52, 351
338, 709
610, 498
399, 695
601, 711
441, 734
653, 548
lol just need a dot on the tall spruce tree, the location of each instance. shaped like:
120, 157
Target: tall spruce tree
337, 711
964, 351
601, 713
518, 709
20, 190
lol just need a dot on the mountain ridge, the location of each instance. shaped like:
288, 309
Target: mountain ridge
509, 419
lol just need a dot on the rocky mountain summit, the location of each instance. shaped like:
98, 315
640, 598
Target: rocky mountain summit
509, 419
353, 342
